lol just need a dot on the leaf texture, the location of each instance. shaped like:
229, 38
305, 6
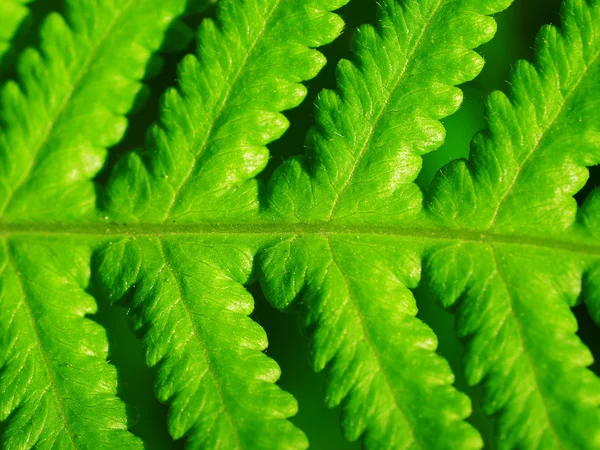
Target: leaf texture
187, 297
365, 151
198, 167
13, 14
519, 177
381, 359
341, 234
54, 394
520, 180
531, 363
211, 141
86, 77
364, 155
56, 388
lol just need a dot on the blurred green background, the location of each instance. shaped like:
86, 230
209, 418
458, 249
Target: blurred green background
515, 39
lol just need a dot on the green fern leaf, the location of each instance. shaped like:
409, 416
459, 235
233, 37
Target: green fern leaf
188, 300
225, 111
50, 389
56, 388
198, 167
365, 154
516, 191
86, 77
367, 146
341, 234
381, 359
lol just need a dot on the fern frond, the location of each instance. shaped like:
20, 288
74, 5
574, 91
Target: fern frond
211, 141
363, 157
343, 234
520, 176
524, 350
520, 181
56, 388
197, 167
86, 77
365, 150
381, 359
188, 301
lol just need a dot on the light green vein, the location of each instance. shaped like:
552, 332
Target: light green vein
569, 242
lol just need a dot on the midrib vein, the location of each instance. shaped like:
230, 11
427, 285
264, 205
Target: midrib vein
574, 244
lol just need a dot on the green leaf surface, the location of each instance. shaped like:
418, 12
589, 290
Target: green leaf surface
200, 160
86, 77
520, 181
187, 299
364, 156
12, 14
531, 363
519, 178
57, 390
341, 235
198, 166
365, 151
356, 294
